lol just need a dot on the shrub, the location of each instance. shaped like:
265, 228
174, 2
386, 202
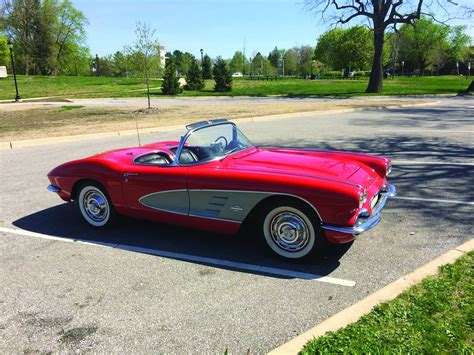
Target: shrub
222, 76
170, 84
194, 80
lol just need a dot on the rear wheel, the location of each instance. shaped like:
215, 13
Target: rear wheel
290, 229
95, 205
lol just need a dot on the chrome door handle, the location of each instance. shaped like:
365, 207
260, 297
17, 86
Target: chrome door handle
129, 174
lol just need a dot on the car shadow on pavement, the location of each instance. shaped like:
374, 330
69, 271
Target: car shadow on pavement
64, 221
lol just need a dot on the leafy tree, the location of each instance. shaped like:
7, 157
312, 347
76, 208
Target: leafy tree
45, 32
261, 65
275, 57
382, 14
290, 61
222, 76
4, 51
305, 56
170, 85
206, 67
420, 41
194, 80
346, 49
121, 64
145, 55
238, 63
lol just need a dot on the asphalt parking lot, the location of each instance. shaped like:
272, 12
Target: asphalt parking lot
147, 287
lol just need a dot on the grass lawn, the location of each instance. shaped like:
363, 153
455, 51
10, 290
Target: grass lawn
84, 87
436, 316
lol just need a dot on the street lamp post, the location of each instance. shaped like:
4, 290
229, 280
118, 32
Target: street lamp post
10, 46
202, 56
403, 66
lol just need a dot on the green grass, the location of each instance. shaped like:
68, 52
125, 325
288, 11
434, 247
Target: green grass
436, 316
72, 87
69, 108
83, 87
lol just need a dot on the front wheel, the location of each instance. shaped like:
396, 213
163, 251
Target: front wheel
290, 230
95, 206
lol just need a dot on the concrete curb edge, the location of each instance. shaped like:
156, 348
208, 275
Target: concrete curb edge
353, 313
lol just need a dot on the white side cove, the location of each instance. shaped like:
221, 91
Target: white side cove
223, 205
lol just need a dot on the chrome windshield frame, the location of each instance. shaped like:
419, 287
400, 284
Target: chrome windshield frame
211, 123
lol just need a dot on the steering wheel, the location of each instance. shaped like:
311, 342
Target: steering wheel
222, 142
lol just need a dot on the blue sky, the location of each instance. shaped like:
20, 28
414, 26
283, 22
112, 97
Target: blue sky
220, 27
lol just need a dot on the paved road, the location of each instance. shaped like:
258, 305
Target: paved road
63, 296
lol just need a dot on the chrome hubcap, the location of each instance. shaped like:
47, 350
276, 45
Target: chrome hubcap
95, 205
289, 231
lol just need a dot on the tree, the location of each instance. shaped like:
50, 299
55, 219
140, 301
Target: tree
145, 54
305, 56
275, 57
194, 80
222, 76
4, 51
345, 48
382, 14
430, 45
290, 62
206, 67
170, 85
45, 33
238, 63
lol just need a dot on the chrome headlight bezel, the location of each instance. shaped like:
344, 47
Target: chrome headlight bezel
388, 169
362, 197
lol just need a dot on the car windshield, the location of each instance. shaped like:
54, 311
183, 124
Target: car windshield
211, 142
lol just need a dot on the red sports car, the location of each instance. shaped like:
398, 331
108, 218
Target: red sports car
215, 179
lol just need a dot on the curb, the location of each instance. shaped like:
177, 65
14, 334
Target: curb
352, 313
64, 139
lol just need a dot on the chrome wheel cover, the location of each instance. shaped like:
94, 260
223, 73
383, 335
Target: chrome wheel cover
95, 205
289, 231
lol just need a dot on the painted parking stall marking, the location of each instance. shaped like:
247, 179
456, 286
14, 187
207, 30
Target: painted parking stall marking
193, 258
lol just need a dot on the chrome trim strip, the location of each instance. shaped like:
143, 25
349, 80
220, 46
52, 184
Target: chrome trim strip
363, 224
53, 188
191, 131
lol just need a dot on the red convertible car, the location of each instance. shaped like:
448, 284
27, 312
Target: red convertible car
214, 179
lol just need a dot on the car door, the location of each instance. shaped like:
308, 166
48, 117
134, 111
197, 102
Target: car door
155, 191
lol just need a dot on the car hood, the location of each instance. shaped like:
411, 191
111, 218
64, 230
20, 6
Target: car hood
306, 163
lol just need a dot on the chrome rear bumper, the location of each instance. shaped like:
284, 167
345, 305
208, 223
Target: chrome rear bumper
365, 223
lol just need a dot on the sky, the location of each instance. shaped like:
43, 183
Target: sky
220, 27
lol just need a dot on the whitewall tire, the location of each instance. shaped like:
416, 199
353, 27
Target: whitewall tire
289, 231
95, 206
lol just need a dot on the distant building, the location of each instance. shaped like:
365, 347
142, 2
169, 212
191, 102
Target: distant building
162, 57
3, 71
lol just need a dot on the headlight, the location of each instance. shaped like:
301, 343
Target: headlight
362, 198
389, 169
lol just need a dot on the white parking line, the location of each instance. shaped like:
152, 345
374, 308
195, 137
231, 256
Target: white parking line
456, 202
421, 162
193, 258
443, 131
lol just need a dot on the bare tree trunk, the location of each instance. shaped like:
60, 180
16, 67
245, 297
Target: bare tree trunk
148, 91
376, 75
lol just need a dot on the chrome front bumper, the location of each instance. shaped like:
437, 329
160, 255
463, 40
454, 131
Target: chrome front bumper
53, 188
364, 222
